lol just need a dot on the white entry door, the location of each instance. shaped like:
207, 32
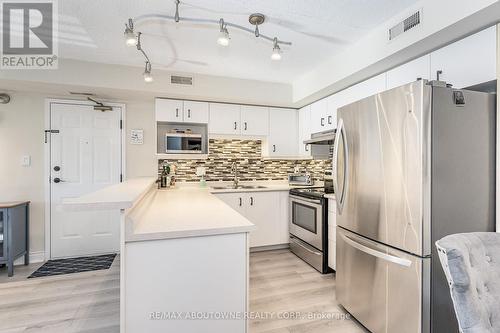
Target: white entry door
85, 156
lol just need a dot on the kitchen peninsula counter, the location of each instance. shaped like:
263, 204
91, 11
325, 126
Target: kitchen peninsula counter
183, 251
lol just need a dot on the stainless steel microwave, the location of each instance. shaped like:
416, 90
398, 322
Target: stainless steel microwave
183, 143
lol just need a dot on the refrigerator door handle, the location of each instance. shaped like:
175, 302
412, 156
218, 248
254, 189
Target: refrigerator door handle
341, 136
376, 253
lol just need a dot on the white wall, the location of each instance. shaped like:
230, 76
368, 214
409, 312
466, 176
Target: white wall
21, 133
374, 54
22, 125
127, 82
141, 159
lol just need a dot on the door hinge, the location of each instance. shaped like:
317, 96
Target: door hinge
121, 178
121, 124
51, 131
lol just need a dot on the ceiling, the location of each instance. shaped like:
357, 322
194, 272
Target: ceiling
92, 30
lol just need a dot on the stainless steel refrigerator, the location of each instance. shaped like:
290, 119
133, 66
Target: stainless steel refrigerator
412, 165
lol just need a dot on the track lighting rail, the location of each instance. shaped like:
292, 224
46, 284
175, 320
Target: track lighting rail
133, 38
146, 17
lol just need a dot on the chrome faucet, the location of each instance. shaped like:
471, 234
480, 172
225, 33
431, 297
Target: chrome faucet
234, 170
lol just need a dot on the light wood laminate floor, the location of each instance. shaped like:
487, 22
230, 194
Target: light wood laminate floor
280, 285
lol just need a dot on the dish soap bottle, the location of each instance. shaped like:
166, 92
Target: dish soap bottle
164, 176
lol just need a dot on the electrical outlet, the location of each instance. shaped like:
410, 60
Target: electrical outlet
26, 161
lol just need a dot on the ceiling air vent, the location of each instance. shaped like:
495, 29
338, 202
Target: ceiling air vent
185, 80
410, 22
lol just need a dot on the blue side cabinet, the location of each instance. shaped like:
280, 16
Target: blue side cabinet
14, 233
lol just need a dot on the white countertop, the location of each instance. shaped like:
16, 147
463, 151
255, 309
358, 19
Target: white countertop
118, 196
182, 212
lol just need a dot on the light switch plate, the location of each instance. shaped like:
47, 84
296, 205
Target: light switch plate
26, 161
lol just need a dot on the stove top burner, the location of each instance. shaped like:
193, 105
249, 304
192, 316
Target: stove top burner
315, 192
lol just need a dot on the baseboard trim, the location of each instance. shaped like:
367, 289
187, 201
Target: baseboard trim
269, 248
35, 257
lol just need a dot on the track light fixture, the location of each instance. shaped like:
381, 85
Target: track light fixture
177, 17
223, 34
130, 36
276, 55
148, 78
133, 38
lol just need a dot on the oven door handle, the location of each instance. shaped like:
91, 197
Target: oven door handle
314, 201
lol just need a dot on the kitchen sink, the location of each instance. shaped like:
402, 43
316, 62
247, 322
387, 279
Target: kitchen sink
243, 187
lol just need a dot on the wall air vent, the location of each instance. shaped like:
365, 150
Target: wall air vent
184, 80
410, 22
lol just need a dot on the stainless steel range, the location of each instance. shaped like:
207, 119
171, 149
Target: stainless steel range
309, 225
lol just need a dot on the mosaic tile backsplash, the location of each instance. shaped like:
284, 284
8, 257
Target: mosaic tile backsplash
251, 165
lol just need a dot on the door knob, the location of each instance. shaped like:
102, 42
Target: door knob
57, 168
57, 180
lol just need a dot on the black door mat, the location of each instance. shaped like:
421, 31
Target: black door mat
74, 265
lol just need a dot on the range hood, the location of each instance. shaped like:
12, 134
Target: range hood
322, 138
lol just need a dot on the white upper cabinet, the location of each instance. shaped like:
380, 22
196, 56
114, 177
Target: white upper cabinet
304, 131
469, 61
318, 116
410, 72
169, 110
195, 112
177, 111
362, 90
283, 132
332, 103
254, 120
224, 119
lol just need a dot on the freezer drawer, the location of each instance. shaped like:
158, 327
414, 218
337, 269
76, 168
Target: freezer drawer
387, 290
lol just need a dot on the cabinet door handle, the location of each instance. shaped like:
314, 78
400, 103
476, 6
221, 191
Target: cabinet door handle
329, 120
246, 126
322, 121
235, 125
251, 201
176, 113
306, 147
189, 113
274, 148
241, 202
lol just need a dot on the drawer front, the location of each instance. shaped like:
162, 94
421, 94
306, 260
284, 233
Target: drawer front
380, 286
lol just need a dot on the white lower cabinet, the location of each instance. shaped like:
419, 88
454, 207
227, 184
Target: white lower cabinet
267, 210
332, 233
